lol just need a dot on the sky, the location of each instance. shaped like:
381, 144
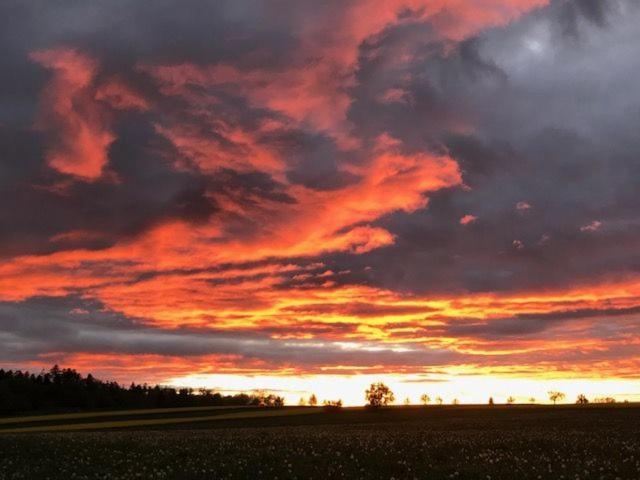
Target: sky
306, 196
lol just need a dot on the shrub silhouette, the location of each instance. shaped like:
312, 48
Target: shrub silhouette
332, 405
604, 400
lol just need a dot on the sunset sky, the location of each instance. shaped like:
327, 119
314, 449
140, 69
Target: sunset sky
308, 196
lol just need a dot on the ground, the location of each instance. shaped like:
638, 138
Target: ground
521, 442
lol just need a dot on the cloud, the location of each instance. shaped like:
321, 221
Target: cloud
42, 327
42, 330
591, 227
467, 219
321, 186
530, 136
78, 127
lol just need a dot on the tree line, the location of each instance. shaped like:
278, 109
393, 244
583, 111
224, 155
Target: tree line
379, 395
64, 389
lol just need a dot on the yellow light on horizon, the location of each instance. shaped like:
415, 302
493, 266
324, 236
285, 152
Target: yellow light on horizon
469, 389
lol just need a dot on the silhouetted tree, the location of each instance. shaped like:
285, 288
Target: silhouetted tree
582, 400
511, 400
313, 400
302, 402
379, 395
270, 400
439, 400
604, 400
332, 405
425, 399
491, 403
555, 396
455, 401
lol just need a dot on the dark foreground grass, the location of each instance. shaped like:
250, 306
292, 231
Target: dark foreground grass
432, 443
142, 421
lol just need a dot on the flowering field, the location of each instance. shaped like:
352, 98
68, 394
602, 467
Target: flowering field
444, 443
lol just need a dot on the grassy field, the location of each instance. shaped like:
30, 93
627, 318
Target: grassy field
65, 417
463, 442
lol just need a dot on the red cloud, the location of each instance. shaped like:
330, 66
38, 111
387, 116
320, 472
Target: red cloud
77, 125
120, 96
467, 219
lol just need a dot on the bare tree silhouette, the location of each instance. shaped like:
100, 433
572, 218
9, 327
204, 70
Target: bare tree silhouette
425, 399
555, 396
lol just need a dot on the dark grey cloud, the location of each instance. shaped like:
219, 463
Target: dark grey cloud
124, 31
593, 11
552, 123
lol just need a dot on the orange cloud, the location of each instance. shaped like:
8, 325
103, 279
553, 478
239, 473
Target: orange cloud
120, 96
315, 89
467, 219
77, 125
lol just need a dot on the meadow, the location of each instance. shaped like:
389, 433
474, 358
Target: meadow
438, 442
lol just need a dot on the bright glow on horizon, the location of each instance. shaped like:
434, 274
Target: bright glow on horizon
465, 388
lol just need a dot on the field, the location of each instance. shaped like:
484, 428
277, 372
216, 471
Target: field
455, 442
